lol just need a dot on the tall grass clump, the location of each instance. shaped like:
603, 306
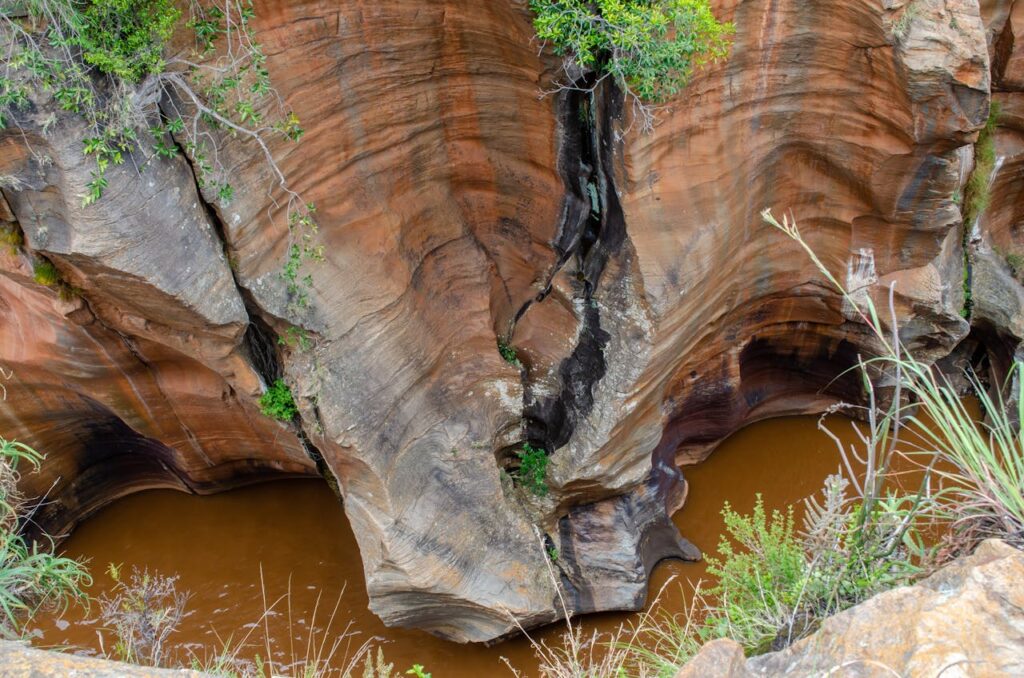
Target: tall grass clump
31, 576
981, 465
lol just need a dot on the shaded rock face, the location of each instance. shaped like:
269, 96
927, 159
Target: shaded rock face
996, 238
652, 311
965, 620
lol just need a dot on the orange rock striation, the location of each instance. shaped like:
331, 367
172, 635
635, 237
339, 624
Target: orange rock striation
651, 311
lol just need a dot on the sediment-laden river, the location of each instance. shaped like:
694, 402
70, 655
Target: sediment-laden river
294, 535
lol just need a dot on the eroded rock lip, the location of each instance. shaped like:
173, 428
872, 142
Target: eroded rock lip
653, 313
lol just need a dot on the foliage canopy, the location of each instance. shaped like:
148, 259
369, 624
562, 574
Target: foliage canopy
650, 47
126, 38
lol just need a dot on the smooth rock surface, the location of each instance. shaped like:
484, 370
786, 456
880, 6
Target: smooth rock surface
453, 212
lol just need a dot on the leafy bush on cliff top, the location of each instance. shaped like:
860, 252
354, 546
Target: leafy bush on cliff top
126, 38
650, 47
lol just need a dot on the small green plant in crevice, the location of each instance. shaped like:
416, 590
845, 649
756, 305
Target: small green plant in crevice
11, 236
649, 47
968, 307
1016, 264
901, 27
533, 469
303, 229
553, 554
977, 192
295, 337
417, 671
45, 273
508, 353
278, 403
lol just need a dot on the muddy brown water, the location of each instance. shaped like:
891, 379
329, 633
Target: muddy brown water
295, 535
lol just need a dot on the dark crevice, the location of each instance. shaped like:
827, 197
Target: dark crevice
261, 341
592, 230
314, 453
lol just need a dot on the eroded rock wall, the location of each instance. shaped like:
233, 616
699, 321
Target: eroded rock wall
996, 238
652, 311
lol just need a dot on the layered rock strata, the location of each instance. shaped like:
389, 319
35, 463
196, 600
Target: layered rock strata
651, 311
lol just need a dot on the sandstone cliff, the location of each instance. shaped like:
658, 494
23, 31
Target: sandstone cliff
652, 318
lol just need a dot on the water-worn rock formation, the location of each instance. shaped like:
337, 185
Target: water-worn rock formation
652, 311
966, 620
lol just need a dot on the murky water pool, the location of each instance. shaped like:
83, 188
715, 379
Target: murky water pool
240, 552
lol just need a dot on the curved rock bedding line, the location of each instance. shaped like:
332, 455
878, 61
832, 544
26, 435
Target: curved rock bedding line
651, 310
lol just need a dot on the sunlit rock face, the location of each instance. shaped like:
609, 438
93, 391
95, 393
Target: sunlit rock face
653, 314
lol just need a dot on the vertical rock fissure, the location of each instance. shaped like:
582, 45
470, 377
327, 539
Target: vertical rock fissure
592, 230
261, 341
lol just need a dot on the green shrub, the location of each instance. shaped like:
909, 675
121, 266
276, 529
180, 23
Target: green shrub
126, 38
775, 585
761, 581
533, 469
650, 47
508, 353
278, 402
